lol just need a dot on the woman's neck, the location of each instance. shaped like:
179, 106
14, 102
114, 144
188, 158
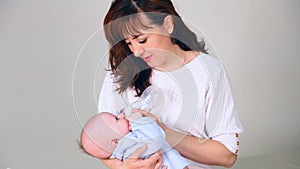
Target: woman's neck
177, 59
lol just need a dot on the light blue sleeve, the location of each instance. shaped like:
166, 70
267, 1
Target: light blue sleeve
145, 131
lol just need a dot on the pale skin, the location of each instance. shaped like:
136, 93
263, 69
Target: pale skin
156, 49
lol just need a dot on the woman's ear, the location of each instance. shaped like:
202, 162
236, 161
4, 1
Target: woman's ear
169, 24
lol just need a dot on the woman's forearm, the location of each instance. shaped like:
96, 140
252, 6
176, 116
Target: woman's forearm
200, 150
111, 163
204, 151
134, 162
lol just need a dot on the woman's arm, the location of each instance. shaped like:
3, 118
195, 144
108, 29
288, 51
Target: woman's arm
220, 108
209, 152
204, 151
134, 162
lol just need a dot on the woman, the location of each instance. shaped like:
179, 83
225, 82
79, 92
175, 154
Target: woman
150, 45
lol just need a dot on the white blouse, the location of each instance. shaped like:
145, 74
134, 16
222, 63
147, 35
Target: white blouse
199, 101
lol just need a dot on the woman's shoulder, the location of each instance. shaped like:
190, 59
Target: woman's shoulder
209, 59
209, 62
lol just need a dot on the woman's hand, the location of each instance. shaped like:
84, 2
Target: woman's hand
146, 113
134, 162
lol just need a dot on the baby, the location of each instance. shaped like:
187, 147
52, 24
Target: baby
114, 136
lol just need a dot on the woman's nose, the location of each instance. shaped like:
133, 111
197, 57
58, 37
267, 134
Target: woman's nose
138, 51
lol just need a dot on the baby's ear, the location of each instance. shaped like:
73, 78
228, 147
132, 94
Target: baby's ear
114, 141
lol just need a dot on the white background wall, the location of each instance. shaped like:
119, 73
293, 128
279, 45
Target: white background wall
40, 41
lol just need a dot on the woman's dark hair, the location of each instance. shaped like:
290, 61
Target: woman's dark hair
124, 19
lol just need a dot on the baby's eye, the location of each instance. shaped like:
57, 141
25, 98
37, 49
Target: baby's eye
117, 118
128, 43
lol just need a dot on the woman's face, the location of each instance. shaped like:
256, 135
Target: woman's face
153, 45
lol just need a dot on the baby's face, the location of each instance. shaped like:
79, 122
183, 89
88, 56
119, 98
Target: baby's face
117, 123
101, 133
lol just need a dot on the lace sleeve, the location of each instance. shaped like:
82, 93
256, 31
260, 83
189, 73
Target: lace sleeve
222, 117
230, 141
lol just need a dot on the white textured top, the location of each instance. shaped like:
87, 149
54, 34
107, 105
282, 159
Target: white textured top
199, 100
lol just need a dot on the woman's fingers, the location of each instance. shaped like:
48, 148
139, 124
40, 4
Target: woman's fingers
134, 162
157, 157
145, 113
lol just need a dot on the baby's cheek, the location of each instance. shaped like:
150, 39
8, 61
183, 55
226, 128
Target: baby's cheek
126, 128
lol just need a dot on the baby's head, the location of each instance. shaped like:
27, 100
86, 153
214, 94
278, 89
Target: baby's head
101, 134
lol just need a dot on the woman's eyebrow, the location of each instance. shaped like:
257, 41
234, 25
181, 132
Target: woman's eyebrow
135, 36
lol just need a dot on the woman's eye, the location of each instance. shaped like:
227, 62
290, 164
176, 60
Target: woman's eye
143, 41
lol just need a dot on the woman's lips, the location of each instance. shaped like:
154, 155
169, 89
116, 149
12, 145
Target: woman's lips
147, 59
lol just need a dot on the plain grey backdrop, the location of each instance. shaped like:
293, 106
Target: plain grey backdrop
52, 54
